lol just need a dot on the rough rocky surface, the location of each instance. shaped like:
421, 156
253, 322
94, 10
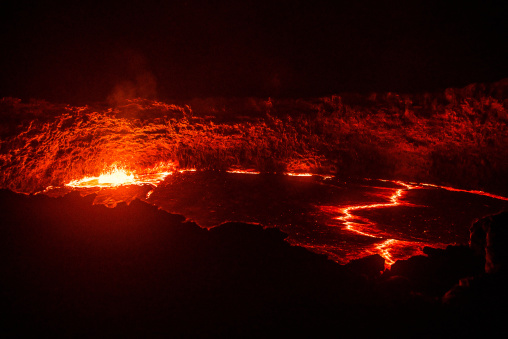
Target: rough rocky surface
73, 269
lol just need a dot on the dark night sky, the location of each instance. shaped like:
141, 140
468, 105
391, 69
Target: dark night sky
84, 51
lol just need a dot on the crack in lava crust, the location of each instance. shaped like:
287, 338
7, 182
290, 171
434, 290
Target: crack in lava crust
390, 249
365, 227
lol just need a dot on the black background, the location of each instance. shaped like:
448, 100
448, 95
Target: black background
78, 52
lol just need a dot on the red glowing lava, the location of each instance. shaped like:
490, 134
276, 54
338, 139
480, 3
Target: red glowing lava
118, 176
351, 222
485, 194
240, 171
365, 227
389, 248
111, 178
299, 174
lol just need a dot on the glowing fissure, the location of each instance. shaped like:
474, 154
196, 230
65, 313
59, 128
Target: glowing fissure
384, 250
486, 194
291, 174
364, 227
111, 178
349, 219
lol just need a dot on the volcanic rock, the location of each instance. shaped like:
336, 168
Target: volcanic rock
370, 267
489, 238
435, 273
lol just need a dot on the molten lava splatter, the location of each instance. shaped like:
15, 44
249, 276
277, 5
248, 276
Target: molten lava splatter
111, 178
119, 176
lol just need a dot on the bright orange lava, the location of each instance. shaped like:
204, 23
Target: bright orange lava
118, 176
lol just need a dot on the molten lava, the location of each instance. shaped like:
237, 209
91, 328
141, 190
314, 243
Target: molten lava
389, 248
457, 137
477, 192
349, 219
299, 174
367, 228
240, 171
112, 178
118, 176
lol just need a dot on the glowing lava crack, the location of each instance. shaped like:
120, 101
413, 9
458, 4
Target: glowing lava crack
388, 247
365, 227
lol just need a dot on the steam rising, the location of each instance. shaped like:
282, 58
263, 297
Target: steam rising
139, 83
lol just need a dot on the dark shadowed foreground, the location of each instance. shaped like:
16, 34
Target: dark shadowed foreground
70, 268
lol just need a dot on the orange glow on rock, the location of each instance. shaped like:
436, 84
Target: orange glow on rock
55, 144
